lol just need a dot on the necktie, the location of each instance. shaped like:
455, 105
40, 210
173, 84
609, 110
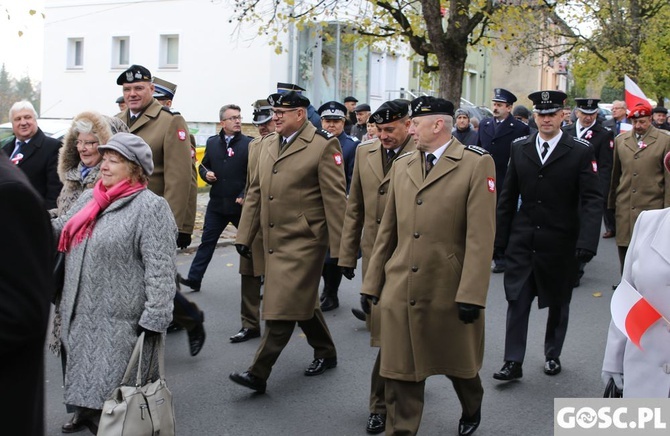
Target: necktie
283, 144
545, 150
132, 119
618, 127
429, 163
17, 150
390, 154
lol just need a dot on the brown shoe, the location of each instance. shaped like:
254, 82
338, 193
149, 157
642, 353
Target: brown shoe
608, 234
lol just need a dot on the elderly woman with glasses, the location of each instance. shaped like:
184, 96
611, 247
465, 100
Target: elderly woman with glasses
79, 160
119, 244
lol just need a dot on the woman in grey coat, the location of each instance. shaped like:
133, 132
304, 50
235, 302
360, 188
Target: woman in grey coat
119, 240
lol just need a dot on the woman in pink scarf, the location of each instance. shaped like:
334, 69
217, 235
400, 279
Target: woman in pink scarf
119, 241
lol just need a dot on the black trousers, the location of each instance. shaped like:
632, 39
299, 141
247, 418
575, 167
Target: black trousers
516, 334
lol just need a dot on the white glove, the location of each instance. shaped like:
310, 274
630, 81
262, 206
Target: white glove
617, 377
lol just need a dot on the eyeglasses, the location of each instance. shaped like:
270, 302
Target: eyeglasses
86, 144
280, 114
235, 118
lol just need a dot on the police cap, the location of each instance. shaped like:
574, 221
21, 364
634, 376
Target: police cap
548, 102
587, 105
503, 96
333, 110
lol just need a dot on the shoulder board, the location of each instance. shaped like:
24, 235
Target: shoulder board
353, 138
583, 142
479, 150
326, 134
175, 112
404, 155
520, 138
167, 109
667, 132
606, 128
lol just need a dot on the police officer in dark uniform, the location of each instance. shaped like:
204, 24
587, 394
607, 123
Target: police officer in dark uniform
601, 138
495, 136
557, 226
333, 114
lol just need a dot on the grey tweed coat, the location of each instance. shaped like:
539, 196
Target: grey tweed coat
121, 275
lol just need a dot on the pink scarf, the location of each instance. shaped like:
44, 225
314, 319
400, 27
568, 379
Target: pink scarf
80, 226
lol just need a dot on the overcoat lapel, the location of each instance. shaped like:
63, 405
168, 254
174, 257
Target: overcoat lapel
376, 165
530, 152
415, 169
447, 163
560, 151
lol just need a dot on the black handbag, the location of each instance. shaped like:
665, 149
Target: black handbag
611, 391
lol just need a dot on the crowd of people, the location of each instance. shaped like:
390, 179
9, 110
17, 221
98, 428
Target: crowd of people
424, 194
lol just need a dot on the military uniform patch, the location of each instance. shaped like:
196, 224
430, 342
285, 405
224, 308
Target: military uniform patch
479, 150
338, 159
181, 134
491, 184
594, 166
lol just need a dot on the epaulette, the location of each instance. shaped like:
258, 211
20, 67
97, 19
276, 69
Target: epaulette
609, 129
479, 150
583, 142
665, 131
175, 112
354, 138
404, 155
167, 109
520, 138
325, 133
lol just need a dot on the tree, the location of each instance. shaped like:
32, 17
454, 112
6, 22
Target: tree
6, 94
439, 34
12, 91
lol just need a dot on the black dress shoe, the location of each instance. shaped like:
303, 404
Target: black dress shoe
329, 303
552, 366
358, 313
376, 423
509, 371
468, 425
82, 420
497, 269
196, 338
193, 284
244, 335
320, 365
248, 380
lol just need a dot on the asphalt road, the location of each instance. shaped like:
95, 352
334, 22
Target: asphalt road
336, 403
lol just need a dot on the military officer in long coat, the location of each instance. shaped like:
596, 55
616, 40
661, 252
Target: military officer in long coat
297, 197
252, 269
638, 180
168, 136
601, 138
496, 135
556, 227
365, 207
434, 242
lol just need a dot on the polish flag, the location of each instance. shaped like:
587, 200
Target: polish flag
634, 94
632, 313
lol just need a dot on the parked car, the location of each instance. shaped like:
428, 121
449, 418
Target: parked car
55, 128
479, 112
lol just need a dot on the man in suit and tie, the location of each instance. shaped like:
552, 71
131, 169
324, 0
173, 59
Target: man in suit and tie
556, 227
618, 118
638, 180
495, 136
34, 152
365, 207
601, 139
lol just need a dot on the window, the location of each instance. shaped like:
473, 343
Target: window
169, 51
75, 53
120, 51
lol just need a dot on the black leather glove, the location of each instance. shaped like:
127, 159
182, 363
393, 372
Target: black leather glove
584, 255
243, 250
147, 333
365, 302
498, 252
348, 272
183, 240
468, 313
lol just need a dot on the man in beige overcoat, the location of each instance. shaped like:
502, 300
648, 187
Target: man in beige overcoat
297, 199
638, 179
429, 269
365, 207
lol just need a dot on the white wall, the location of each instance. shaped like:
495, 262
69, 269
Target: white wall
214, 69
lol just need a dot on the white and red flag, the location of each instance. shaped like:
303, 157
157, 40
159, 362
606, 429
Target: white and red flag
632, 313
634, 94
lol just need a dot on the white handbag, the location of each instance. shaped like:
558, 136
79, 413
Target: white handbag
139, 410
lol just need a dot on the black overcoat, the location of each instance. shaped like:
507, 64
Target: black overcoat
561, 208
40, 164
602, 140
